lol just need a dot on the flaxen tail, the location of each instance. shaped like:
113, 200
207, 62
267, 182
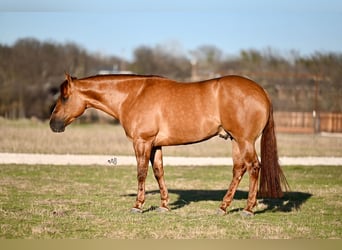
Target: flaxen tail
272, 178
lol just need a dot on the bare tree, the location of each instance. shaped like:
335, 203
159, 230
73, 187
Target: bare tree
31, 72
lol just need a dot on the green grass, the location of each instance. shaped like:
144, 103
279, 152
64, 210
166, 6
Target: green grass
43, 202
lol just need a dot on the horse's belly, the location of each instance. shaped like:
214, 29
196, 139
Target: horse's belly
178, 134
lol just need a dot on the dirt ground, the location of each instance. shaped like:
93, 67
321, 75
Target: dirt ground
117, 160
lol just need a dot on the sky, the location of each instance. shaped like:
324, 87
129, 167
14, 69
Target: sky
118, 27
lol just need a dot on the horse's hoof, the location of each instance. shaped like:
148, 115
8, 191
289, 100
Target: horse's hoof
221, 212
247, 214
135, 210
162, 209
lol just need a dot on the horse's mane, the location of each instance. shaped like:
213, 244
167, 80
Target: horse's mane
121, 76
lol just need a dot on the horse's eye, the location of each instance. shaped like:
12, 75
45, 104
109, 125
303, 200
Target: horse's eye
64, 98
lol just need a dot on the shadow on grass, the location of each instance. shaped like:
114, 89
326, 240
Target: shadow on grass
290, 202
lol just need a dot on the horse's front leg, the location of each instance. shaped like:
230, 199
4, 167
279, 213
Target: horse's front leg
142, 150
157, 165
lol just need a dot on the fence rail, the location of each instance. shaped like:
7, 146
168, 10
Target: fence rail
308, 122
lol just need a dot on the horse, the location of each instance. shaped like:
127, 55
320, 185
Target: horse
155, 112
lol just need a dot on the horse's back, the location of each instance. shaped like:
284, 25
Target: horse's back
241, 85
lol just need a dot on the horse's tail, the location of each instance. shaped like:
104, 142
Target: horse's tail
272, 178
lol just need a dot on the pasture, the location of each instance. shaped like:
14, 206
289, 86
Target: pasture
93, 202
43, 202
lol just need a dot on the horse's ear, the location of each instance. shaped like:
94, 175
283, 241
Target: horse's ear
67, 85
68, 77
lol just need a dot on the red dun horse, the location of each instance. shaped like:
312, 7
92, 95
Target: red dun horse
157, 112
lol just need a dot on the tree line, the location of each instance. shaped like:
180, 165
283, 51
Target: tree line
32, 70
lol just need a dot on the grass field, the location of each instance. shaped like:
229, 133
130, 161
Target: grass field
26, 136
43, 202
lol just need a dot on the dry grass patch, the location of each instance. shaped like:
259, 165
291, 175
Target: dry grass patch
25, 136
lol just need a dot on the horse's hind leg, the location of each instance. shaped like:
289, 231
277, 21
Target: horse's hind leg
253, 168
239, 169
244, 158
157, 165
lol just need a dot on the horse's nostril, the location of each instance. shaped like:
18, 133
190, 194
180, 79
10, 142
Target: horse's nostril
57, 125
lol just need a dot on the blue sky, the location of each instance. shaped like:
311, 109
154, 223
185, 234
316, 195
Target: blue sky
118, 27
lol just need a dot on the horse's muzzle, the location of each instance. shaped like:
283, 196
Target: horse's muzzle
57, 125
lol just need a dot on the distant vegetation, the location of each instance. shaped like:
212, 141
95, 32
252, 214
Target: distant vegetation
32, 70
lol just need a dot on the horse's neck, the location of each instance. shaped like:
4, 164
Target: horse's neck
107, 96
99, 96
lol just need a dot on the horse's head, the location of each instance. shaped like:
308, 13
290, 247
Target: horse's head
69, 106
